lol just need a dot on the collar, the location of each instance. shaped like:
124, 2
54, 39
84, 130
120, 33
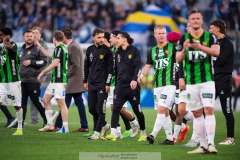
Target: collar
24, 46
69, 43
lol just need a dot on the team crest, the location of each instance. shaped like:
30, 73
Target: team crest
101, 56
188, 96
166, 51
204, 43
178, 47
29, 52
129, 56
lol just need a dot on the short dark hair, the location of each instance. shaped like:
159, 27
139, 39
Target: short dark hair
130, 40
193, 11
58, 35
115, 32
220, 24
27, 31
67, 33
107, 36
6, 31
97, 31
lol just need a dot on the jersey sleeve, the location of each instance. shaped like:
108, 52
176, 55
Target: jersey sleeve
213, 40
179, 46
149, 58
58, 52
86, 66
14, 47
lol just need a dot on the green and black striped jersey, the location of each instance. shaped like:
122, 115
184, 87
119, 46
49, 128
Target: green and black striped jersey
198, 65
59, 74
9, 64
163, 60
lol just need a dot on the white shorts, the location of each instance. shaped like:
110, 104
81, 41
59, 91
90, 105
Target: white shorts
200, 95
163, 96
58, 90
11, 93
110, 97
182, 97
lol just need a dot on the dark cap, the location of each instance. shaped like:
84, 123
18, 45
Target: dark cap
6, 31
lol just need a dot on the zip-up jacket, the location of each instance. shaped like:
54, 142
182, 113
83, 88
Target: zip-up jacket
38, 61
223, 64
128, 65
98, 67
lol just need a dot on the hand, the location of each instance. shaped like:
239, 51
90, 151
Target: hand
107, 88
26, 62
37, 44
186, 45
39, 78
133, 85
182, 85
86, 86
196, 44
140, 79
6, 42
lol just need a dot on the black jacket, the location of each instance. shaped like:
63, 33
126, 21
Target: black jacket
128, 65
223, 64
98, 67
38, 61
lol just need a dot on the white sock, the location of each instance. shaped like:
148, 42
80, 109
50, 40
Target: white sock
200, 130
194, 134
177, 129
118, 129
143, 132
19, 115
113, 132
96, 133
135, 123
158, 124
210, 125
65, 125
167, 125
189, 116
183, 126
48, 114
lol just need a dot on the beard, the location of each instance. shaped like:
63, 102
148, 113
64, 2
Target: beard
29, 43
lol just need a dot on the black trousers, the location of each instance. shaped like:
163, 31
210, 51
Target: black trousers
121, 95
32, 90
97, 107
223, 91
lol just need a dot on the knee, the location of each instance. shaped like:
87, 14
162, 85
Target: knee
162, 110
182, 111
91, 110
209, 111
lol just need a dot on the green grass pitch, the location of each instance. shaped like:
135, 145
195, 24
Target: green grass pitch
33, 145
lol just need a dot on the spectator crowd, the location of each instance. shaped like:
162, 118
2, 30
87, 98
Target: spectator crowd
82, 16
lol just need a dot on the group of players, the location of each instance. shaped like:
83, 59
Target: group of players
115, 69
